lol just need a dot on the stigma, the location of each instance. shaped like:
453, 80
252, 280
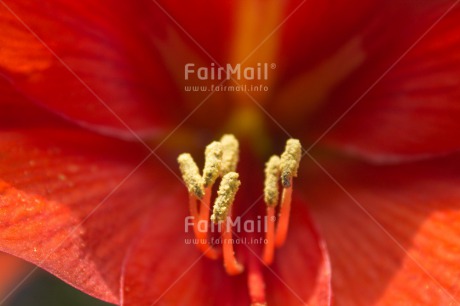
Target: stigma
221, 160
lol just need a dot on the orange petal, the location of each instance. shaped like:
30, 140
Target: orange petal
70, 203
392, 231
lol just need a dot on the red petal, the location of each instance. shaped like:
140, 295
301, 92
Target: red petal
18, 111
392, 231
163, 268
301, 273
92, 62
68, 205
323, 43
413, 110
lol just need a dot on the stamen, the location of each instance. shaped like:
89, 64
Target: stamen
290, 160
231, 153
225, 196
205, 206
269, 247
193, 213
191, 175
194, 183
202, 236
221, 159
231, 265
283, 220
222, 210
272, 175
212, 164
211, 171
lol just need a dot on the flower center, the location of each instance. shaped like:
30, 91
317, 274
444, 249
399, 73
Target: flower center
221, 159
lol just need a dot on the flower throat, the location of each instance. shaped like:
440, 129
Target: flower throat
221, 159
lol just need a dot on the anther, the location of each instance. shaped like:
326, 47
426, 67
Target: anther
194, 183
290, 160
272, 176
230, 147
221, 158
222, 210
191, 175
289, 165
213, 163
225, 196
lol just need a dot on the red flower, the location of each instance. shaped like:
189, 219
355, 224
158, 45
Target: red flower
95, 110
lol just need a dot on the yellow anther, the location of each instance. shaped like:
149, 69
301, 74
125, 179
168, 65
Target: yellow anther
221, 158
191, 175
225, 196
290, 160
231, 153
213, 163
272, 175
